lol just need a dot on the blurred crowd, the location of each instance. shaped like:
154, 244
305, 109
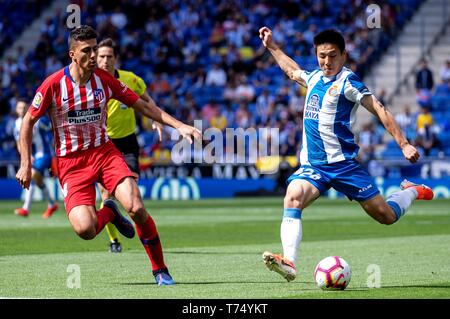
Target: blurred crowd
203, 59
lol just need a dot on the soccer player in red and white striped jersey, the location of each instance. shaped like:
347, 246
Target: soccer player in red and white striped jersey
76, 97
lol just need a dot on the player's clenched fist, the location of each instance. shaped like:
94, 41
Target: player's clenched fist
411, 153
265, 34
23, 176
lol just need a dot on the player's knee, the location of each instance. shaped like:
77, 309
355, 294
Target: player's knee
292, 199
135, 208
86, 233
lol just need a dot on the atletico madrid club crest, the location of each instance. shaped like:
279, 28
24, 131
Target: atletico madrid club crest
99, 95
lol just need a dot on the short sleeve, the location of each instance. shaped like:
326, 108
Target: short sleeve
120, 91
42, 100
355, 89
140, 85
305, 75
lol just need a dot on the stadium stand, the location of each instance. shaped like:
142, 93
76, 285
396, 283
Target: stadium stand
175, 45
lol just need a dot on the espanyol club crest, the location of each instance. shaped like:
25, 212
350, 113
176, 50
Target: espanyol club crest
333, 91
99, 95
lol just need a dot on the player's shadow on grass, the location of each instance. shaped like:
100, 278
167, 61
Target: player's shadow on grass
210, 252
180, 283
419, 286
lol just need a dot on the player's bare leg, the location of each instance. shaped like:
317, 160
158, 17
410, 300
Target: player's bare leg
87, 222
83, 219
52, 206
396, 205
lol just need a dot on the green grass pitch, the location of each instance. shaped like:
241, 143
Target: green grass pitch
213, 249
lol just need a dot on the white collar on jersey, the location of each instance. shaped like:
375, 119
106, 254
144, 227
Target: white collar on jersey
327, 79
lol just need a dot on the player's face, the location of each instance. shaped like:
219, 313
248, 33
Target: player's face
84, 53
21, 108
330, 58
106, 59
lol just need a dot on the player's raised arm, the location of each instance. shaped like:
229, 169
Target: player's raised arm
288, 65
374, 106
151, 110
23, 176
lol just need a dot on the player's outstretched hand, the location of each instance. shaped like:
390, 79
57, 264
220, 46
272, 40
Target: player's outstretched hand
23, 176
410, 153
158, 127
265, 34
189, 131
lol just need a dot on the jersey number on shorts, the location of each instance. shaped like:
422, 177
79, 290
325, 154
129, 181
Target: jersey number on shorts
307, 172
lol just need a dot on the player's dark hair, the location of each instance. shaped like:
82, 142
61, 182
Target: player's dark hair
330, 36
81, 33
109, 43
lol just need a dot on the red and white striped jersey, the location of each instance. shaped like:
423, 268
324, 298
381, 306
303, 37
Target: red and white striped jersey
79, 113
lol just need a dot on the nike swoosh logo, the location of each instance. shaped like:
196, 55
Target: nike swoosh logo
65, 99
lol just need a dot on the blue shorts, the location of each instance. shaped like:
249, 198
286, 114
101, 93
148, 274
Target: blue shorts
347, 177
42, 163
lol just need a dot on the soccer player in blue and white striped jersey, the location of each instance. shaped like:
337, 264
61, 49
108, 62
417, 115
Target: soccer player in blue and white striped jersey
329, 149
42, 158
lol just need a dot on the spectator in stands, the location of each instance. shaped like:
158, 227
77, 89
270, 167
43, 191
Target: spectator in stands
245, 91
264, 103
424, 84
159, 86
368, 141
427, 133
424, 77
406, 121
243, 116
216, 76
382, 96
445, 72
218, 120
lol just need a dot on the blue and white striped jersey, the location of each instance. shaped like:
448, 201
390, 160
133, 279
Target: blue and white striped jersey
329, 116
42, 136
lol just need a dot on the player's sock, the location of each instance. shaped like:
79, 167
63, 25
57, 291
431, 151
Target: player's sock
29, 196
113, 233
150, 240
401, 201
291, 233
104, 216
46, 194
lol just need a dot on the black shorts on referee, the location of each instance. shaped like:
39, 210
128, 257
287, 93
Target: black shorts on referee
129, 147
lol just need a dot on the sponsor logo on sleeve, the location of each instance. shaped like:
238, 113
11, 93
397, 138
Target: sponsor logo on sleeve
37, 100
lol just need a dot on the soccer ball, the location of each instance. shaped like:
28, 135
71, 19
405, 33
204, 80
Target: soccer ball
332, 273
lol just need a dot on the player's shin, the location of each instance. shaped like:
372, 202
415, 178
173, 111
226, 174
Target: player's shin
149, 237
47, 195
29, 196
401, 201
291, 233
